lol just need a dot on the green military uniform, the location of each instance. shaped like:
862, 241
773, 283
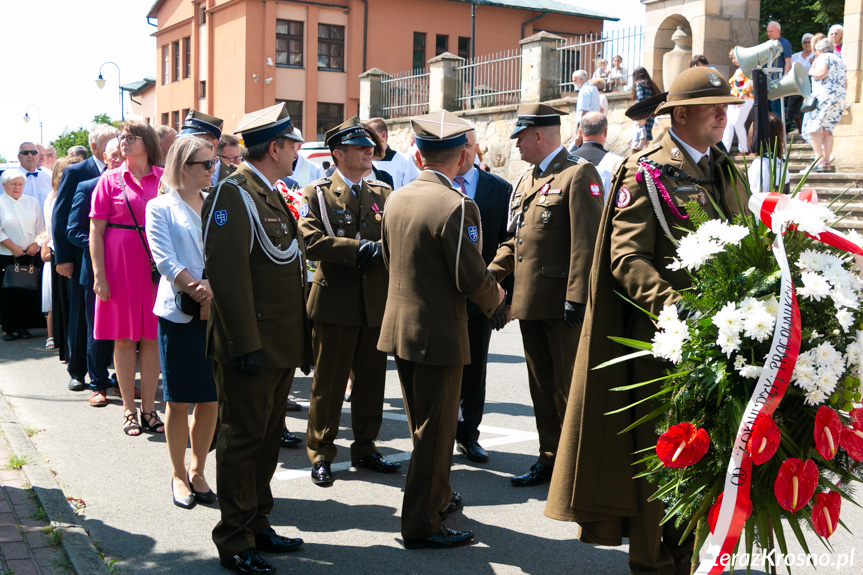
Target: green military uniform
431, 234
256, 267
592, 482
555, 214
346, 303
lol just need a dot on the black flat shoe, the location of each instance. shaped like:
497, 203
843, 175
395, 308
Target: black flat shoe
24, 334
472, 451
447, 539
208, 497
248, 562
9, 336
271, 542
376, 462
454, 505
321, 474
537, 475
186, 502
289, 439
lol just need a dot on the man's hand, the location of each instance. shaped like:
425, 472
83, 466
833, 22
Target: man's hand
573, 313
501, 294
500, 317
377, 254
365, 253
252, 364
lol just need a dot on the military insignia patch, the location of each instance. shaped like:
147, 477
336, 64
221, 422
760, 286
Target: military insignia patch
220, 217
675, 153
713, 77
594, 189
304, 210
473, 233
623, 197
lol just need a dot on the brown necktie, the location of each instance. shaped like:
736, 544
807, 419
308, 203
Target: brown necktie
704, 164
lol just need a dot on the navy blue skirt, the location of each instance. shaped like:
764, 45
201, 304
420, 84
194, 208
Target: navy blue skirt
187, 372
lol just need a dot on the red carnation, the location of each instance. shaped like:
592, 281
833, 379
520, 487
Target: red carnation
851, 438
795, 483
682, 445
713, 514
763, 440
825, 513
827, 430
294, 211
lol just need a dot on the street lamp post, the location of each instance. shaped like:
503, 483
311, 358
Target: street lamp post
101, 83
27, 118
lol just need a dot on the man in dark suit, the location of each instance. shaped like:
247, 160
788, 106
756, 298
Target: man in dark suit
68, 256
593, 131
491, 195
99, 351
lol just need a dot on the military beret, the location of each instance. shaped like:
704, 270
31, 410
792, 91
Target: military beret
201, 124
529, 115
350, 133
441, 130
264, 125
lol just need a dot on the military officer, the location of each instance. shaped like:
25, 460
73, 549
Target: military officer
253, 254
592, 481
340, 218
431, 245
208, 128
554, 212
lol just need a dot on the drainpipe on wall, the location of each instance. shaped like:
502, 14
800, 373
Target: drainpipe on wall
531, 21
473, 31
365, 30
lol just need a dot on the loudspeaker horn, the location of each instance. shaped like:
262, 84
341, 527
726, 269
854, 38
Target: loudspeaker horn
794, 83
755, 56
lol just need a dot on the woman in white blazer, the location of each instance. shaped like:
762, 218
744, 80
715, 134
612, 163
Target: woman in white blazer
182, 304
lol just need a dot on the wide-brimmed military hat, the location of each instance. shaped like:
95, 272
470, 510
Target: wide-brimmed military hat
263, 125
201, 124
350, 133
530, 115
440, 131
698, 86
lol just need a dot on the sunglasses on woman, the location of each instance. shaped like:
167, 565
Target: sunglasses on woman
206, 163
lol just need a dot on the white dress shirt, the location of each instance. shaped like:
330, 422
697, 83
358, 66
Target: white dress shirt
692, 152
588, 101
20, 221
38, 186
400, 166
543, 165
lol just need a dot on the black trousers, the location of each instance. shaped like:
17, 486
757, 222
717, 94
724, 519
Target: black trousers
20, 309
76, 334
472, 402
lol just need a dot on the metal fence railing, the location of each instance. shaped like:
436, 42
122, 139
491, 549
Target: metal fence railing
490, 80
406, 94
588, 52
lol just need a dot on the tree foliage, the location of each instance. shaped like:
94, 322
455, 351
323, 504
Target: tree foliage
798, 17
79, 137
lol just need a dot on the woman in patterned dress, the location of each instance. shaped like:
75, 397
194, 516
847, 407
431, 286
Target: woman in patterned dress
828, 73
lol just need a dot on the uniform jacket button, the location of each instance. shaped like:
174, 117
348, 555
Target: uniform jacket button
520, 241
519, 258
258, 316
344, 261
365, 224
521, 225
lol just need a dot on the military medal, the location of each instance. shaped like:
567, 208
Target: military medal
546, 215
702, 198
348, 218
544, 189
340, 232
377, 216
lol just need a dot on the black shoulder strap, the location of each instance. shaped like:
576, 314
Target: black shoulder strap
135, 220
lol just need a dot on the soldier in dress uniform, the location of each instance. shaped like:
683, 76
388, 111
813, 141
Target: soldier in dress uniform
340, 218
253, 254
554, 212
593, 480
431, 242
208, 128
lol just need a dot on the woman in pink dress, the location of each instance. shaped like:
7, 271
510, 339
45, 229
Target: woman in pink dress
121, 266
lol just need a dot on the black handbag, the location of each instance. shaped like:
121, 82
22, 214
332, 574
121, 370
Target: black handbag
187, 305
28, 277
809, 104
154, 272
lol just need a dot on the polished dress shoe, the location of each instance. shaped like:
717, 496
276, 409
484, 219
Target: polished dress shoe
271, 542
447, 538
208, 497
377, 462
454, 505
186, 502
98, 398
77, 385
289, 439
321, 474
538, 474
473, 451
248, 562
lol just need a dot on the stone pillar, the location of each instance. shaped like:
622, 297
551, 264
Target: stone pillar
677, 60
851, 50
540, 68
443, 82
371, 93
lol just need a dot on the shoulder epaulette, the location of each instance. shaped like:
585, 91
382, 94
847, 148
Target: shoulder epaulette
235, 179
372, 182
577, 159
320, 181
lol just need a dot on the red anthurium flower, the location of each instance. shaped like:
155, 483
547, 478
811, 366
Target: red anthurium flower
763, 440
828, 427
795, 483
825, 513
682, 445
713, 514
851, 438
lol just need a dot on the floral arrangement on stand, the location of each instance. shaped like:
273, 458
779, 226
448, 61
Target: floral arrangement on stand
756, 416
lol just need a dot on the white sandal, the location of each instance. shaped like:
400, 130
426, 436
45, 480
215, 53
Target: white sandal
49, 343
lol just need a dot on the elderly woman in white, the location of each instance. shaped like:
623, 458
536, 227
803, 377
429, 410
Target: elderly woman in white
173, 226
20, 222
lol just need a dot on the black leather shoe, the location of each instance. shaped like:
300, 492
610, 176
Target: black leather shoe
186, 502
454, 505
271, 542
248, 562
447, 538
472, 451
289, 439
207, 498
77, 385
537, 475
24, 334
321, 474
377, 462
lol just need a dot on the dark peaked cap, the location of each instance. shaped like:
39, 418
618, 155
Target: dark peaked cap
530, 115
440, 131
350, 133
263, 125
201, 124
